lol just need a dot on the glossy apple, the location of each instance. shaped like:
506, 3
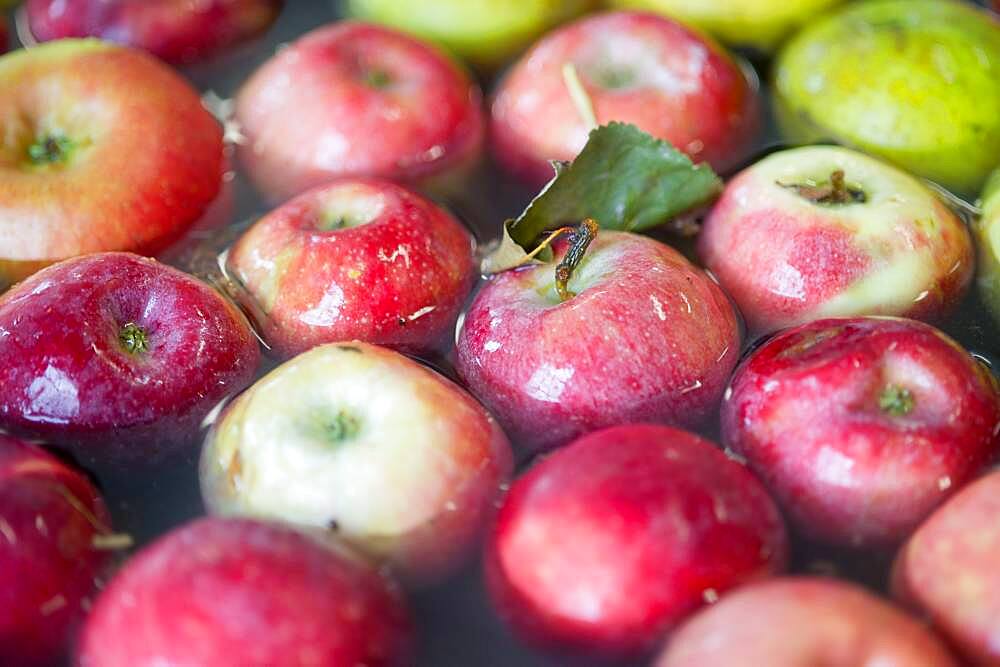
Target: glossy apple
803, 622
987, 229
220, 592
790, 248
51, 558
636, 68
759, 24
947, 570
358, 259
604, 546
177, 31
861, 427
367, 445
118, 358
76, 111
914, 81
366, 101
648, 337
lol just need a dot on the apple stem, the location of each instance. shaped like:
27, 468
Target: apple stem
585, 233
50, 149
837, 191
133, 338
896, 401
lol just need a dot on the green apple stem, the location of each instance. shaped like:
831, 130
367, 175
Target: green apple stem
896, 401
133, 338
833, 193
585, 233
50, 149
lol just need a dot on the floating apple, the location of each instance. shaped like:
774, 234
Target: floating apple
485, 33
914, 81
803, 622
177, 31
352, 99
609, 542
760, 24
220, 592
105, 149
367, 445
824, 231
356, 259
52, 522
631, 67
117, 357
861, 427
987, 230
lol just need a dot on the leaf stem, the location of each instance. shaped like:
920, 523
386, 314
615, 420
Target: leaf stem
585, 233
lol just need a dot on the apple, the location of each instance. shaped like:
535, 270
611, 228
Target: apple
52, 522
368, 446
605, 545
913, 81
803, 622
3, 35
74, 112
177, 31
759, 24
118, 358
948, 570
862, 426
825, 231
356, 259
987, 232
218, 592
633, 67
366, 101
648, 337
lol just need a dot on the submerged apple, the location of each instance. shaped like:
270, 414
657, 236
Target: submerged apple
987, 230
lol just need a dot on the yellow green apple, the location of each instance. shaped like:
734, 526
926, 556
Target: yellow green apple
988, 241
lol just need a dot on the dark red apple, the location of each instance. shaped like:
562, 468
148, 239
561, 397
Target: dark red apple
3, 35
862, 426
226, 592
177, 31
608, 543
803, 622
358, 259
633, 67
948, 570
117, 357
353, 99
52, 522
648, 337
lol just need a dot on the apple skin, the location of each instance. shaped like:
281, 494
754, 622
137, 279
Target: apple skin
636, 68
759, 24
649, 337
3, 35
605, 545
874, 470
50, 516
987, 233
365, 445
947, 570
176, 31
367, 101
803, 622
786, 260
124, 113
484, 33
218, 592
67, 377
916, 82
357, 259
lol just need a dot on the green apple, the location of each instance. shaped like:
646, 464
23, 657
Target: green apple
760, 24
484, 32
988, 241
914, 81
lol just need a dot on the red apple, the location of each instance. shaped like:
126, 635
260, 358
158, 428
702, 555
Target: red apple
636, 68
648, 337
177, 31
948, 570
117, 357
357, 259
353, 99
803, 622
3, 35
824, 231
218, 593
368, 446
51, 524
105, 148
608, 543
861, 427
